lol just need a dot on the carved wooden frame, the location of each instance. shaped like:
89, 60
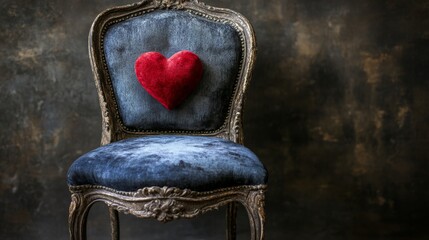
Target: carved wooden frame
168, 203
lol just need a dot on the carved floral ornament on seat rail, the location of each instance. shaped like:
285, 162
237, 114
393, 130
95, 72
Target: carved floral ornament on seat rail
166, 203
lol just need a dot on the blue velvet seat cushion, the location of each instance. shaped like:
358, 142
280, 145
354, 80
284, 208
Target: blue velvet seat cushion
187, 162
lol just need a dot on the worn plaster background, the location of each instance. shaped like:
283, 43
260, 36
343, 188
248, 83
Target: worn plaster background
337, 111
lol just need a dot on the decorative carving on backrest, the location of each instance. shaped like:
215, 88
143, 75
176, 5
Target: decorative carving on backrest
169, 3
120, 113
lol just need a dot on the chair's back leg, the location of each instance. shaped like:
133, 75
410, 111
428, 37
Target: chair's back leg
114, 223
231, 216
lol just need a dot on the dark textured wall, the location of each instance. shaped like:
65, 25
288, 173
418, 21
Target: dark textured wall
336, 110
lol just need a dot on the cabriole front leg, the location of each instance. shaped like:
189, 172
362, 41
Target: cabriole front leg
78, 213
255, 210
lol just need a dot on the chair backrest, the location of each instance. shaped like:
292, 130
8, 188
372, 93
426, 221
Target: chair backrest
223, 40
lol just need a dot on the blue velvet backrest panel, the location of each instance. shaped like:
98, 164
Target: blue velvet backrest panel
217, 44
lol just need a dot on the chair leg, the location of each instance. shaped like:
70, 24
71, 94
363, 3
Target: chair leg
114, 223
231, 216
78, 213
255, 210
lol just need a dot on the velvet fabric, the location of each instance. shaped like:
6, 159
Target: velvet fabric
172, 80
218, 46
187, 162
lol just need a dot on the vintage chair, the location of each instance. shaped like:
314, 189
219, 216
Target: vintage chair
163, 163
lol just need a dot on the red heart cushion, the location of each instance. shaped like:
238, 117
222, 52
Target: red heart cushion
170, 81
